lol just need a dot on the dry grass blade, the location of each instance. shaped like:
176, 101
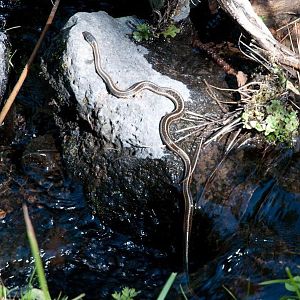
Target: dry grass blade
297, 32
284, 26
198, 116
191, 128
196, 156
254, 55
212, 94
25, 71
225, 129
293, 33
246, 91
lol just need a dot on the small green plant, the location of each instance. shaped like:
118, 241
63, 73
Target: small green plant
292, 285
145, 32
130, 293
126, 294
278, 122
268, 107
31, 293
170, 31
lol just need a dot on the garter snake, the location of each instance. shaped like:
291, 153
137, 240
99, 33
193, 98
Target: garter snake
164, 128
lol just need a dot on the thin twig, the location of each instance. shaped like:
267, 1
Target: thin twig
11, 28
232, 143
293, 103
193, 127
196, 120
211, 93
297, 32
244, 87
199, 127
196, 156
291, 40
187, 135
200, 116
283, 39
295, 21
25, 71
260, 60
223, 130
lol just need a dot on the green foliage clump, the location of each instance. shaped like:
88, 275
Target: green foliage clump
170, 31
292, 285
281, 124
145, 32
278, 122
28, 293
126, 294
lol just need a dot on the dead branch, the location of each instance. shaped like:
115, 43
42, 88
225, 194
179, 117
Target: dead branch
243, 13
25, 71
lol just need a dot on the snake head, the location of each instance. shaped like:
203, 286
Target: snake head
88, 37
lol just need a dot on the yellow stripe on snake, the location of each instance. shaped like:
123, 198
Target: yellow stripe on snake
164, 128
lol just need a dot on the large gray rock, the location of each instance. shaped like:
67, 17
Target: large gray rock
3, 65
129, 122
114, 144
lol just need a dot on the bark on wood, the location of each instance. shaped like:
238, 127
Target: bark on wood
243, 13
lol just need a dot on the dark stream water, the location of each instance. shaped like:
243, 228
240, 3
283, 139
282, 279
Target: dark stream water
250, 231
81, 255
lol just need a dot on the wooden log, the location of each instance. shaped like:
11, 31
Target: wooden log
244, 14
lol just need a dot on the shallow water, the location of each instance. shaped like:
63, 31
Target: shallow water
80, 253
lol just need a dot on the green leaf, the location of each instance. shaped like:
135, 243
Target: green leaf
126, 294
294, 281
271, 124
289, 298
3, 291
116, 296
143, 32
34, 294
245, 116
167, 287
256, 125
144, 27
171, 31
293, 286
274, 281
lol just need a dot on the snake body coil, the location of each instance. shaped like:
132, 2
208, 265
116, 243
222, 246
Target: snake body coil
164, 127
